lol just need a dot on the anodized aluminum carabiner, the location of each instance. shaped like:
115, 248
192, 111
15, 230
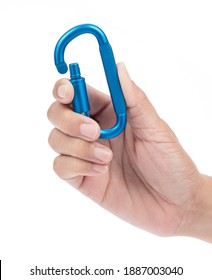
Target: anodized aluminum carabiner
80, 101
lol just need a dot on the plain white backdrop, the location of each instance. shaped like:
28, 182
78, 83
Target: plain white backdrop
166, 46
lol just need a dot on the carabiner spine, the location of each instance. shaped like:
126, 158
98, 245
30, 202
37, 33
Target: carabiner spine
111, 74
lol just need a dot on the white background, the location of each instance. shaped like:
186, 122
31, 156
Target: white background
166, 46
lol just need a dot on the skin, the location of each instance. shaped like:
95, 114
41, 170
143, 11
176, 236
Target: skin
143, 176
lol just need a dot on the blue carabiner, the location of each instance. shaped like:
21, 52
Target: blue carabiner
81, 102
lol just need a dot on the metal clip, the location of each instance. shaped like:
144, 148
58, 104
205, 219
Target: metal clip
80, 101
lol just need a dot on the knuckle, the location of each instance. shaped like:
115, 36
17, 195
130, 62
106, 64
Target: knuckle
83, 149
51, 110
79, 167
76, 165
66, 123
79, 148
58, 166
52, 140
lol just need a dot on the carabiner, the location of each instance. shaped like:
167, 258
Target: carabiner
81, 102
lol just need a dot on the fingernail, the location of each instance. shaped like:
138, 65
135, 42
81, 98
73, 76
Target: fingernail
102, 154
62, 91
100, 168
89, 130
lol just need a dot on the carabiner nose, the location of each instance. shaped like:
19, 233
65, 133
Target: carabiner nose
81, 102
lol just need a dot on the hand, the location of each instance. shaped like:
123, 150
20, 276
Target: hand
143, 176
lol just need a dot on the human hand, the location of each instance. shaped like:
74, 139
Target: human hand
143, 176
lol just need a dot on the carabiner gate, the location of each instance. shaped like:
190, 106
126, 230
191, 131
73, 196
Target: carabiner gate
80, 101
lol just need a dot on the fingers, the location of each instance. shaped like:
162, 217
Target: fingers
66, 145
71, 123
139, 107
74, 134
78, 157
67, 167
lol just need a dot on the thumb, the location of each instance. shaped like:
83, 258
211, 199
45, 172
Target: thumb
142, 116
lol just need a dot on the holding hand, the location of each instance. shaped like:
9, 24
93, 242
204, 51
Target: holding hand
143, 176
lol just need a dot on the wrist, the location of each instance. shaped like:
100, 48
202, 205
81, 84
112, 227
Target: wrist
197, 221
